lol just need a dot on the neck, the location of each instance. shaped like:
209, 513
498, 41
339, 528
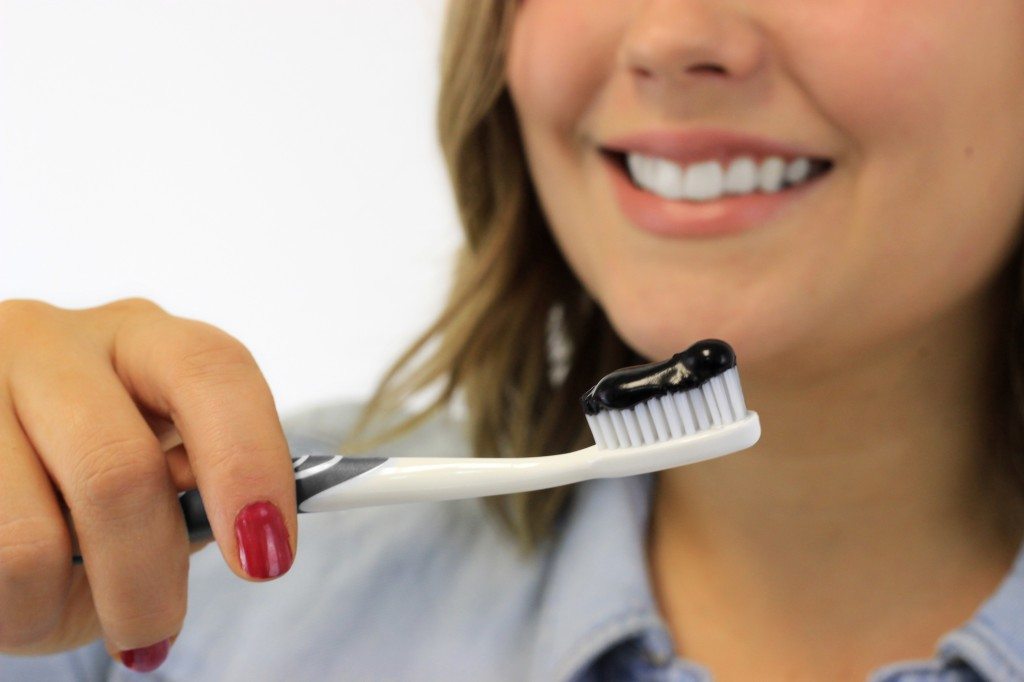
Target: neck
871, 495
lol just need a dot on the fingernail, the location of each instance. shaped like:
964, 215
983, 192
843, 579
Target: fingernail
263, 546
146, 658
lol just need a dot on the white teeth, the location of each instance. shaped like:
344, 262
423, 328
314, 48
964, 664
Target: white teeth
798, 169
772, 169
637, 165
742, 176
707, 181
669, 177
704, 181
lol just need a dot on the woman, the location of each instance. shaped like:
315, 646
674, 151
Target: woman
874, 305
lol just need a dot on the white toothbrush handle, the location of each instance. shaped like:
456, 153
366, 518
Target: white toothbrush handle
333, 482
417, 479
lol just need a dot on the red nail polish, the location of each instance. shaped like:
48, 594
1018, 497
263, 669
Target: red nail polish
147, 658
263, 546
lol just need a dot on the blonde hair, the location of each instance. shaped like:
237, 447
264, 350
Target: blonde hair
510, 281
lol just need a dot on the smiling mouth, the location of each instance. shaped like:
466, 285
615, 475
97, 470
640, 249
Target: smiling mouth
712, 180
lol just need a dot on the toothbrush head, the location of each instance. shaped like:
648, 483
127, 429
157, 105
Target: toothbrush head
695, 390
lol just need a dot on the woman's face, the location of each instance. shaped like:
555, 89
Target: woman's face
918, 104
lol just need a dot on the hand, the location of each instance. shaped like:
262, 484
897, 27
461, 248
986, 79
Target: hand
85, 396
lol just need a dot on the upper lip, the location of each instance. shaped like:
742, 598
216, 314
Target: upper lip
689, 146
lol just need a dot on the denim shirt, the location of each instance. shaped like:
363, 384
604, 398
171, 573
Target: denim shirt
436, 591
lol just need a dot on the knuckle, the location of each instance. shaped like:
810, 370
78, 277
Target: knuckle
134, 304
26, 631
209, 359
31, 546
235, 462
22, 318
115, 473
122, 312
17, 306
32, 551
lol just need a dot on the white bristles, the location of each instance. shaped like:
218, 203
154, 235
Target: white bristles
632, 428
658, 416
716, 403
668, 406
595, 428
732, 387
604, 420
684, 412
709, 400
700, 408
721, 400
621, 434
646, 424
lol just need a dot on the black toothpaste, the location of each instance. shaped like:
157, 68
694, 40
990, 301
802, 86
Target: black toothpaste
684, 371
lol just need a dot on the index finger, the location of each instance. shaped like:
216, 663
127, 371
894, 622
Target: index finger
210, 386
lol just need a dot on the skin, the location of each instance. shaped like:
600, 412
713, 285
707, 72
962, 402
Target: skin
867, 521
84, 396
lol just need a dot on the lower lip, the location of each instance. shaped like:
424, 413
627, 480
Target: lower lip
725, 216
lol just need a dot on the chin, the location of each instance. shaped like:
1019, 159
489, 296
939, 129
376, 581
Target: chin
656, 330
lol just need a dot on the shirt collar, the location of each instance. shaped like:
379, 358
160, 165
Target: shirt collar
597, 593
992, 641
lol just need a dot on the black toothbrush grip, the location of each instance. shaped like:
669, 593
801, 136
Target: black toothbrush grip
195, 516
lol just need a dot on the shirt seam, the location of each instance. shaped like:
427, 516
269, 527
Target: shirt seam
986, 629
896, 669
982, 641
601, 635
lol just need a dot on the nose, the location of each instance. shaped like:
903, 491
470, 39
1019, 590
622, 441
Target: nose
675, 41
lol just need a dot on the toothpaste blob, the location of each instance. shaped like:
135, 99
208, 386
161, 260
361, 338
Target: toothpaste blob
684, 371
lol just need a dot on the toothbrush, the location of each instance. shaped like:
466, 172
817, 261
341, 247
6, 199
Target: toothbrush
644, 418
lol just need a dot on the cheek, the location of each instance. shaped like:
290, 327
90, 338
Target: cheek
560, 53
931, 95
894, 71
873, 66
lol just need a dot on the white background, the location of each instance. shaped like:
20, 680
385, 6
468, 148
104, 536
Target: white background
268, 167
